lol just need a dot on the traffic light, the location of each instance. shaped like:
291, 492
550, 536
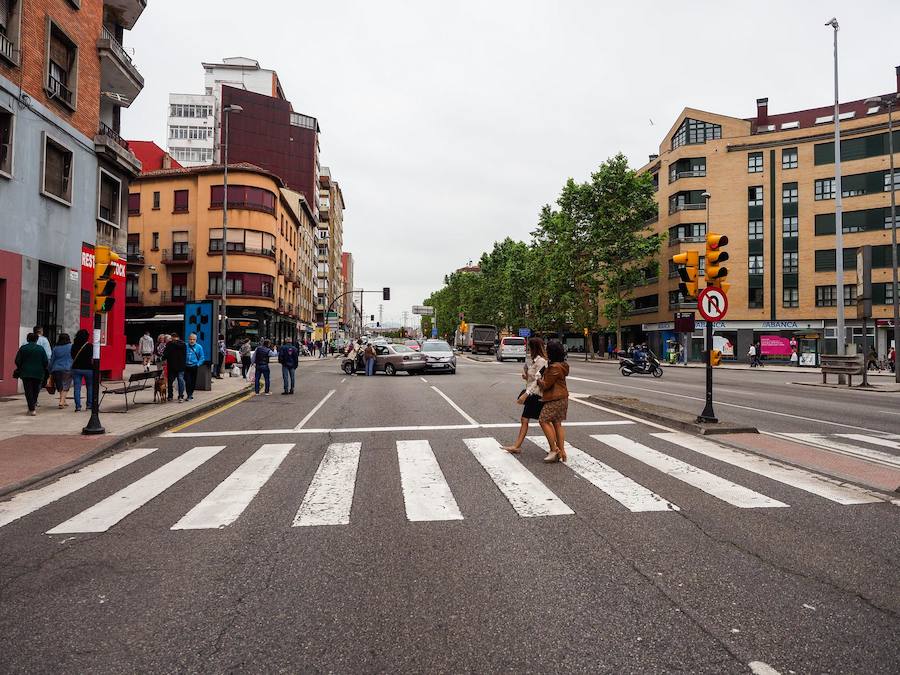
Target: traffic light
371, 317
688, 264
385, 293
715, 256
104, 284
715, 357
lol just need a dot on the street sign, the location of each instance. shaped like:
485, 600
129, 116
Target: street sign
712, 303
524, 332
684, 322
423, 310
434, 332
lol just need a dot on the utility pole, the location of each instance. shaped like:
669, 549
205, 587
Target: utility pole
840, 331
380, 314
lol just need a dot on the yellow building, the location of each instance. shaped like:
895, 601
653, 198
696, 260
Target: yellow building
771, 188
175, 246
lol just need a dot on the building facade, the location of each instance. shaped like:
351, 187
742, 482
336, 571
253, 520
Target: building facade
348, 317
306, 262
771, 186
64, 169
330, 245
177, 235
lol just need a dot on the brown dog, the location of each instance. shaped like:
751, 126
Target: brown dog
161, 390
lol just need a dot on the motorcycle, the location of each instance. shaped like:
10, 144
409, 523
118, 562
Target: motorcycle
649, 366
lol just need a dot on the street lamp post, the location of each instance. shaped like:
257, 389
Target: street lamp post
224, 317
840, 331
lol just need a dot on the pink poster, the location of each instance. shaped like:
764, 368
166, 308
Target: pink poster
774, 345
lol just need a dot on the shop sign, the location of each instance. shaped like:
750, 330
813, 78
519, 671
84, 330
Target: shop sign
774, 345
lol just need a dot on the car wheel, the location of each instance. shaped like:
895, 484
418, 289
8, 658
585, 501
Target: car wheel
348, 368
389, 369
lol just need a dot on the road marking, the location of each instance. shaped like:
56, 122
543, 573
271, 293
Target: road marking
575, 398
233, 495
314, 410
462, 412
211, 413
762, 668
875, 440
826, 443
330, 495
424, 380
711, 484
343, 379
527, 495
105, 514
630, 494
815, 483
516, 425
425, 491
32, 500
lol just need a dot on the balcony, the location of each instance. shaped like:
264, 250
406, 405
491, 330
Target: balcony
176, 297
182, 255
236, 248
111, 146
117, 72
134, 257
280, 305
127, 12
281, 268
675, 208
323, 215
265, 294
8, 50
134, 298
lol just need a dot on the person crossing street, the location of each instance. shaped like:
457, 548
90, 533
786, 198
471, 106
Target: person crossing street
288, 357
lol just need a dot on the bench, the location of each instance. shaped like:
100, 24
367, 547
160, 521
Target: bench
136, 382
832, 364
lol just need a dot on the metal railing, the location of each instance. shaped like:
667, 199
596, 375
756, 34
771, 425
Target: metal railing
134, 298
106, 130
7, 48
167, 297
134, 256
59, 90
183, 255
676, 175
674, 208
117, 47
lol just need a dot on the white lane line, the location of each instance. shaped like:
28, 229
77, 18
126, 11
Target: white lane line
233, 495
630, 494
462, 412
514, 425
424, 380
808, 481
711, 484
762, 668
890, 412
576, 399
874, 440
314, 410
330, 495
32, 500
103, 515
831, 445
527, 495
425, 491
343, 379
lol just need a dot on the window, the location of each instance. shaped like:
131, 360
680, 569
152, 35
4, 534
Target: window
131, 288
191, 154
755, 229
133, 249
190, 133
754, 298
755, 195
134, 203
789, 158
180, 248
181, 201
62, 66
755, 162
789, 193
189, 110
790, 262
790, 297
10, 22
826, 296
695, 131
154, 282
789, 227
57, 179
887, 174
243, 197
755, 264
155, 245
824, 189
179, 286
243, 241
156, 201
109, 202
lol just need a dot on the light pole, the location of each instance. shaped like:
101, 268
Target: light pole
840, 331
224, 318
708, 414
888, 102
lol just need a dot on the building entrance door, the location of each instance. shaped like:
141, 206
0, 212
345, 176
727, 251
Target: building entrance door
48, 300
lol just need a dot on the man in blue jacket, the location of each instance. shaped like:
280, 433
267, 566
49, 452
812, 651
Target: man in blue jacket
288, 357
195, 358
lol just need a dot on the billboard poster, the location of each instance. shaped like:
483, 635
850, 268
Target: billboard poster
724, 345
774, 345
199, 319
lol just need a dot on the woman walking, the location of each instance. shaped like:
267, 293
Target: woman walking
82, 368
31, 364
530, 398
61, 367
555, 396
370, 359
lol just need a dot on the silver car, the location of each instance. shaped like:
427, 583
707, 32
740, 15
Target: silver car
439, 356
511, 348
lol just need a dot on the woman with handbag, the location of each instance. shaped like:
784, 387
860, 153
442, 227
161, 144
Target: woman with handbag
530, 397
61, 368
555, 396
83, 367
31, 364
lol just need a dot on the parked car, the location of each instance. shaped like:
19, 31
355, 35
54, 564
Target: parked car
390, 359
413, 344
439, 356
511, 348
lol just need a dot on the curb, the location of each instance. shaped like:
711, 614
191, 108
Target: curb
872, 388
668, 417
125, 439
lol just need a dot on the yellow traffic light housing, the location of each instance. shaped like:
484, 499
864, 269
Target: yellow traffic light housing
715, 273
715, 357
688, 264
104, 284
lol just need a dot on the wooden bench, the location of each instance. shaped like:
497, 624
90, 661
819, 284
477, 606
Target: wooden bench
136, 382
832, 364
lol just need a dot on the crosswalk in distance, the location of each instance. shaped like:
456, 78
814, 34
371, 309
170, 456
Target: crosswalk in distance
428, 496
868, 447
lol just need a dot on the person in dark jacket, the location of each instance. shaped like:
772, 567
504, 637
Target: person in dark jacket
288, 357
261, 361
176, 361
83, 367
31, 364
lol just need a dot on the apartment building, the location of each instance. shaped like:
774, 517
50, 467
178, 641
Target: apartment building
330, 245
176, 233
771, 185
306, 262
65, 77
348, 316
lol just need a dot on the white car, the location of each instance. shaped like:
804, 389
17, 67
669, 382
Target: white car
439, 356
511, 348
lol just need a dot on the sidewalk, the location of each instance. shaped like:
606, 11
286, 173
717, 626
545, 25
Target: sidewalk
33, 448
774, 368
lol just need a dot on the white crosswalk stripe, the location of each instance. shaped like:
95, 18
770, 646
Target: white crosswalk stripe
227, 502
839, 445
711, 484
808, 481
527, 495
425, 491
105, 514
330, 496
630, 494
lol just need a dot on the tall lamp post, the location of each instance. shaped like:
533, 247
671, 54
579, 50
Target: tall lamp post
840, 331
224, 318
889, 102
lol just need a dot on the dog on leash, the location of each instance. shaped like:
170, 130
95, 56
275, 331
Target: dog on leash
161, 389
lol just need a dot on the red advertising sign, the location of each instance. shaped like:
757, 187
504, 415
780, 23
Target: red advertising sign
112, 327
774, 345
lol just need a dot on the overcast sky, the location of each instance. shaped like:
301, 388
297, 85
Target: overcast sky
449, 124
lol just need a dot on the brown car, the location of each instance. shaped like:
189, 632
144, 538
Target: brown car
390, 359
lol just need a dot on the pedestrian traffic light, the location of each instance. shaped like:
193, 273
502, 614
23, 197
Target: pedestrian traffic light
715, 357
386, 293
715, 256
688, 264
104, 284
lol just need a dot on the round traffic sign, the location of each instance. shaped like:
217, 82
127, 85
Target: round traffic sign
712, 303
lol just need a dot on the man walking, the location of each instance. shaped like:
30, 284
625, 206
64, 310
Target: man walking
195, 358
245, 357
288, 357
220, 358
175, 355
145, 346
261, 361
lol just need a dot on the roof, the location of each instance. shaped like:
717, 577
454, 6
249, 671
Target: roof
812, 117
211, 168
152, 156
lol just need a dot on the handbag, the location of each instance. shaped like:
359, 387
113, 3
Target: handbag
523, 396
50, 386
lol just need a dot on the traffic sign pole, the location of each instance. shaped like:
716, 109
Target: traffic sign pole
708, 415
712, 304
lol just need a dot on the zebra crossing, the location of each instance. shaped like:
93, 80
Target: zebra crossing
427, 494
867, 447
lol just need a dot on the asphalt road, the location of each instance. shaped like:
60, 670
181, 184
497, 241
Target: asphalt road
526, 567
